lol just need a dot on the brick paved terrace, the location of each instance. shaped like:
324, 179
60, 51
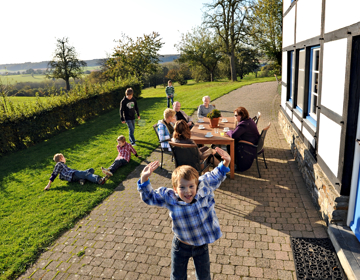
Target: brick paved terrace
123, 238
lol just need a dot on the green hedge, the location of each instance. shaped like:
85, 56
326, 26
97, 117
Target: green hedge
24, 125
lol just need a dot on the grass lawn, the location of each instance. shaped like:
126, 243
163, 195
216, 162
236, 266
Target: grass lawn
30, 219
13, 79
36, 78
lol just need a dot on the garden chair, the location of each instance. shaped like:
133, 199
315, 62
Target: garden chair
188, 154
155, 127
259, 146
256, 118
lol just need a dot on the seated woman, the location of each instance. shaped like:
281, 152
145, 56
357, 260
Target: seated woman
245, 130
205, 108
182, 135
165, 128
181, 115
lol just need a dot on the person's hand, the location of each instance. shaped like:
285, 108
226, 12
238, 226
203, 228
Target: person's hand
224, 155
168, 96
213, 151
189, 123
148, 170
123, 121
138, 117
47, 187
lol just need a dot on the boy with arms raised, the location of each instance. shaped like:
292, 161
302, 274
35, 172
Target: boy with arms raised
125, 150
191, 206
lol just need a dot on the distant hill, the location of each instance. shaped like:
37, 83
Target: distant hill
168, 57
93, 62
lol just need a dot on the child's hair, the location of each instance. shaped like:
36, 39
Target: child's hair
57, 157
121, 138
181, 130
169, 113
169, 82
129, 91
186, 172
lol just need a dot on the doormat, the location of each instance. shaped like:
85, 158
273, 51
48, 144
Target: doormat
315, 258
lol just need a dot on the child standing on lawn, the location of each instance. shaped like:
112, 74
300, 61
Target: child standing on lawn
72, 175
191, 205
170, 91
125, 150
128, 107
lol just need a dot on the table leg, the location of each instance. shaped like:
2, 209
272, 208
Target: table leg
232, 162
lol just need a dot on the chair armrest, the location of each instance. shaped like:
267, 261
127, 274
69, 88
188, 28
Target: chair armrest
206, 164
166, 140
247, 143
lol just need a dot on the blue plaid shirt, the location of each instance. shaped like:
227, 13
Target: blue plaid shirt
65, 172
195, 223
164, 134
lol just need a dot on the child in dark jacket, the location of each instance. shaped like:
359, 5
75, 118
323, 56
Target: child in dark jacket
128, 107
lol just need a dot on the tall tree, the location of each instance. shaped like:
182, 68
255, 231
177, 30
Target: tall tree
65, 63
134, 57
229, 20
200, 48
246, 60
266, 28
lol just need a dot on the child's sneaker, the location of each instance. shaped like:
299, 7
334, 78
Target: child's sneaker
102, 181
133, 144
82, 181
106, 171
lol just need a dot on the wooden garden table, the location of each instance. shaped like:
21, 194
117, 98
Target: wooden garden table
198, 136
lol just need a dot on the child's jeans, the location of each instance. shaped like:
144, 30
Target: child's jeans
116, 164
131, 126
87, 175
180, 254
172, 101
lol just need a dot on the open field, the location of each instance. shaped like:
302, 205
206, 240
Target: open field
13, 79
30, 219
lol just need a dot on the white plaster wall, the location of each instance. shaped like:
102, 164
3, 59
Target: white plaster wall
329, 143
289, 28
308, 19
288, 111
309, 137
333, 78
284, 67
297, 122
286, 5
283, 96
339, 14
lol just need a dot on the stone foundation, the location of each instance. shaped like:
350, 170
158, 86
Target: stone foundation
332, 206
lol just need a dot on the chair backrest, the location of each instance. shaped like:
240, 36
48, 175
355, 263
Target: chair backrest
262, 138
155, 127
256, 118
186, 154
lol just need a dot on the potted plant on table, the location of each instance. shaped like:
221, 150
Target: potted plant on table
214, 117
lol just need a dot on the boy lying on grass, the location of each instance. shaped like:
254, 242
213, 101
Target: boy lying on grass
191, 206
72, 175
125, 150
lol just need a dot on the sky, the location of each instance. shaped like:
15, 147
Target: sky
29, 29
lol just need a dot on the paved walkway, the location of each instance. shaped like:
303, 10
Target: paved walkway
123, 238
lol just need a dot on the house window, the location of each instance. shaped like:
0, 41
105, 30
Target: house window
301, 81
313, 84
291, 76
